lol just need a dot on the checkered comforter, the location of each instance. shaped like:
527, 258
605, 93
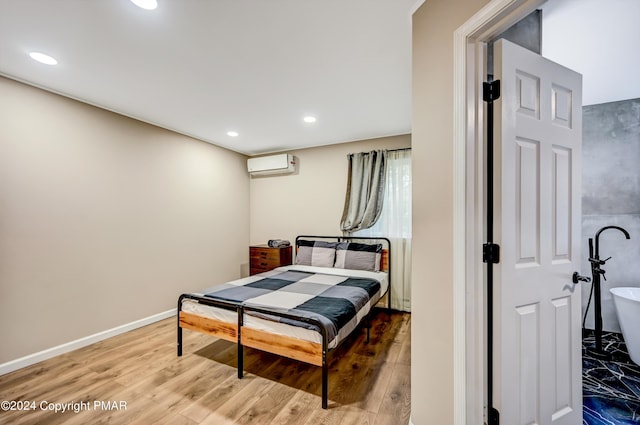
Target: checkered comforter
339, 302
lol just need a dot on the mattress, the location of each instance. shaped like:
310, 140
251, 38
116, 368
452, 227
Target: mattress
278, 301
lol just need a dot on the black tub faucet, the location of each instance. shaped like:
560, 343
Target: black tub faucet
626, 234
596, 272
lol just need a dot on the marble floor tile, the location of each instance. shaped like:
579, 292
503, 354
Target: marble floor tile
610, 387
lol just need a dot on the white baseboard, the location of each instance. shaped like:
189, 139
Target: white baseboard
82, 342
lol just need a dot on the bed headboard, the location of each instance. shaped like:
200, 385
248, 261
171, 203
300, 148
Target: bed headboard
385, 264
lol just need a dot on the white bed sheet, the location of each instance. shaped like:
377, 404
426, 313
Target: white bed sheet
191, 306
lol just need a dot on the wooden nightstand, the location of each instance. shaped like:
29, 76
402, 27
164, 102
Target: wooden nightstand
263, 258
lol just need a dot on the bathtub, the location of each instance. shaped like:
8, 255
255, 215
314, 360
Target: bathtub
627, 302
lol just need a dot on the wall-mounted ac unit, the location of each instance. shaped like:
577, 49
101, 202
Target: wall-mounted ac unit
272, 164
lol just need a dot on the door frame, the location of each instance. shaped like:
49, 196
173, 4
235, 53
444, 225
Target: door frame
469, 335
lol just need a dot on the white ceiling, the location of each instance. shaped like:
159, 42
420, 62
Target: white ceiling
599, 39
205, 67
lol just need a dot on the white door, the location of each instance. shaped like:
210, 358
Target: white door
537, 339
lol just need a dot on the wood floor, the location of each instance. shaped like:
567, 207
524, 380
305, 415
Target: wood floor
136, 378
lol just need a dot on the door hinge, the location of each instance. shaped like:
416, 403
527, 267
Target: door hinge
491, 253
494, 416
491, 91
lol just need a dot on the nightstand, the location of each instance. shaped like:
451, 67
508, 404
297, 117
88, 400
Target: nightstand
263, 258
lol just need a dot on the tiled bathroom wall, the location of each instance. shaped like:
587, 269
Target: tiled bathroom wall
611, 196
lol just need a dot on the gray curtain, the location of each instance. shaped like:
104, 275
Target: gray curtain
365, 190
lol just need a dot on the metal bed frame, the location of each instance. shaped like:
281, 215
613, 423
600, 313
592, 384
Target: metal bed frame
241, 309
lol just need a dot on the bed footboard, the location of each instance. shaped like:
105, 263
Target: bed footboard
290, 347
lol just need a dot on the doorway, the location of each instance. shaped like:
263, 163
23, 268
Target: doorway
469, 51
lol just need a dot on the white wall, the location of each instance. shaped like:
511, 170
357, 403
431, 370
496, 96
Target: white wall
105, 220
310, 201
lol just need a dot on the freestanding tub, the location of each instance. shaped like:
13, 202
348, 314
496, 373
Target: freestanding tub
627, 302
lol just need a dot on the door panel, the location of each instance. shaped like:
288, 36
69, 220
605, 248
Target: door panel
562, 339
561, 203
529, 357
537, 333
528, 218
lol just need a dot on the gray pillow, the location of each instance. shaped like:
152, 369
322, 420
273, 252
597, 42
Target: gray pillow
358, 256
316, 253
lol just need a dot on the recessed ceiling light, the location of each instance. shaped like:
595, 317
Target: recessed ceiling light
42, 58
309, 119
232, 133
145, 4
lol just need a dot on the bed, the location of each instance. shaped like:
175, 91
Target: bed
303, 311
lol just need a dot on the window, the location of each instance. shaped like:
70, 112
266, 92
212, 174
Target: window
395, 224
395, 219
